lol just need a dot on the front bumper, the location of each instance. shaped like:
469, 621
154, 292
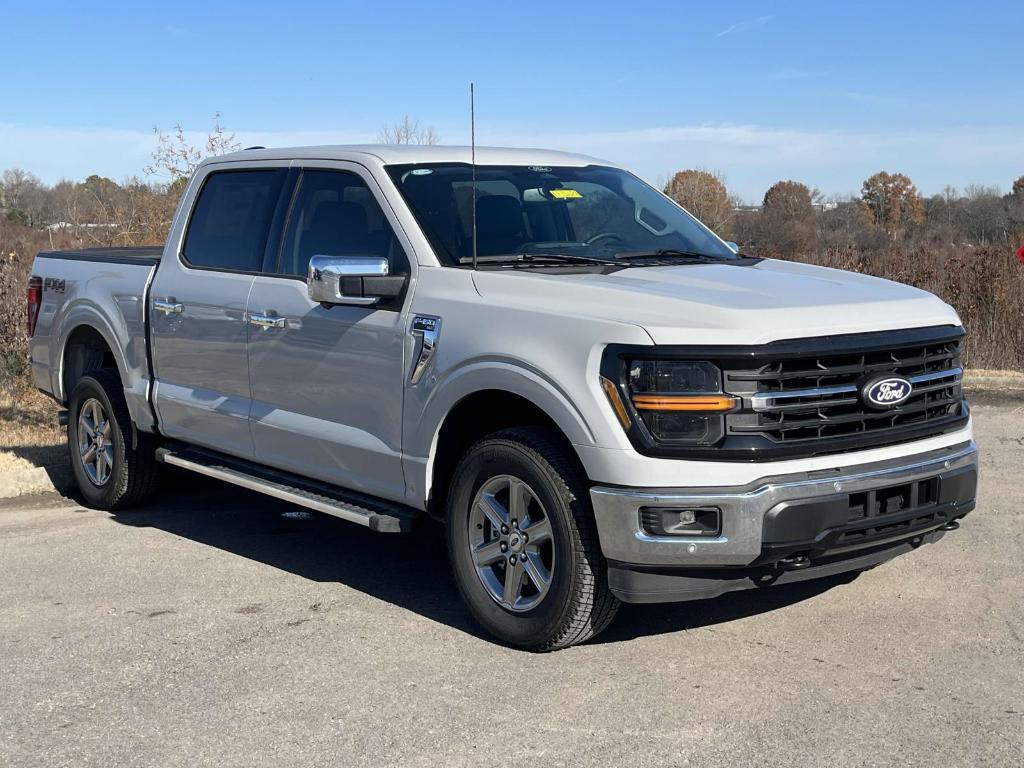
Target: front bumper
634, 584
817, 516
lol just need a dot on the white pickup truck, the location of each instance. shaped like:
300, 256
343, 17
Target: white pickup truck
599, 398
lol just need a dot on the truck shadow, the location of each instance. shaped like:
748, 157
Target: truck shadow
410, 571
633, 621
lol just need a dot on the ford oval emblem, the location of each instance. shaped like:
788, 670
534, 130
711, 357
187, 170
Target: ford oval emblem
886, 392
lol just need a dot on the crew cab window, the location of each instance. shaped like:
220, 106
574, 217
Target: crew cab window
229, 224
334, 213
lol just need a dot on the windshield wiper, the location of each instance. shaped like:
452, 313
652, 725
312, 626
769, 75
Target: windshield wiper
673, 253
535, 259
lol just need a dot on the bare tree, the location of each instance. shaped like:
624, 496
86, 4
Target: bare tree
985, 215
16, 182
408, 131
176, 157
23, 196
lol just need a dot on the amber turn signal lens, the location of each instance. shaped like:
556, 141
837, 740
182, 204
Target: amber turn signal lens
612, 393
704, 403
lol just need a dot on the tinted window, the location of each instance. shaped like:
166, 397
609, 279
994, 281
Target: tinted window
229, 224
335, 214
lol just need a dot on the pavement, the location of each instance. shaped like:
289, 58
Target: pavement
219, 627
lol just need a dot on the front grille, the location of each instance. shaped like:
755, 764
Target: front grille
808, 398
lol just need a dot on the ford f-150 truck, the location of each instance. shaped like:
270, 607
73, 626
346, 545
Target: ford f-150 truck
599, 398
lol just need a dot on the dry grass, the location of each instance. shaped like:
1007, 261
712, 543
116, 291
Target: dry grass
984, 285
1009, 383
29, 435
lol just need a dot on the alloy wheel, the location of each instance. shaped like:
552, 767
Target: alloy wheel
95, 447
511, 543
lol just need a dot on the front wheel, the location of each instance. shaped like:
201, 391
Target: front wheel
523, 542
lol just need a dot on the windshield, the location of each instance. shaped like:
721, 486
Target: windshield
589, 213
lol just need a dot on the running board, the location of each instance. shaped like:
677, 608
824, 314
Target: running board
376, 514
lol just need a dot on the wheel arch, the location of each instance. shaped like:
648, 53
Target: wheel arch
471, 418
121, 335
85, 348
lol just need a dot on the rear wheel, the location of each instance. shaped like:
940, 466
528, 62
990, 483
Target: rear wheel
523, 543
114, 465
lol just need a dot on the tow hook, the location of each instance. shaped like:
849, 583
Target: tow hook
795, 563
952, 525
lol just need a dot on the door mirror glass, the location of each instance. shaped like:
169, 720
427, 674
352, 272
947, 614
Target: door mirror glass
356, 280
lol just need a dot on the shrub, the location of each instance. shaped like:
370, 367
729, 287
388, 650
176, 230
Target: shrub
984, 285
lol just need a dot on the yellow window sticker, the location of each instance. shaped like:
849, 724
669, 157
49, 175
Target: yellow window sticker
565, 194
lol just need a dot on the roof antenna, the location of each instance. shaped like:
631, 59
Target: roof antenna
472, 159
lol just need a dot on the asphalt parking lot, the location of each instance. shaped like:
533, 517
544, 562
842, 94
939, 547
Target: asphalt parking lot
220, 627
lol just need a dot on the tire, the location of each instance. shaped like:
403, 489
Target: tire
128, 473
574, 604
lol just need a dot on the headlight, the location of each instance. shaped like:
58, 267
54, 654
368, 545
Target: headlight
673, 377
678, 401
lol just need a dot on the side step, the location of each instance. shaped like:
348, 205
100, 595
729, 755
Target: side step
376, 514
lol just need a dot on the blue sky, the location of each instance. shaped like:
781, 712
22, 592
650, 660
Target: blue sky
823, 92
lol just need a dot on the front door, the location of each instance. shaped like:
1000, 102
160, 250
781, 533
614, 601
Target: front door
327, 383
197, 312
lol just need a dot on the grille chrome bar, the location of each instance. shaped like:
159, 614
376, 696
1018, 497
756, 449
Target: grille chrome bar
946, 374
861, 366
819, 421
770, 401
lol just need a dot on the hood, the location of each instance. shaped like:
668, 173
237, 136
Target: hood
724, 303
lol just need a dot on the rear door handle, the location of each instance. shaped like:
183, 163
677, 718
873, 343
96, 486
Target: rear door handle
268, 321
168, 307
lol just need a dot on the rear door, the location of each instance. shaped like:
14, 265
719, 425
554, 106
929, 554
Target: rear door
198, 322
327, 383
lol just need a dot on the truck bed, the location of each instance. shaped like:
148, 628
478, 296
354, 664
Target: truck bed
144, 256
101, 291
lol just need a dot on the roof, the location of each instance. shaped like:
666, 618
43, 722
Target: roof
415, 153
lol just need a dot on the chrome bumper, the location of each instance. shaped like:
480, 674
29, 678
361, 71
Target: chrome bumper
617, 510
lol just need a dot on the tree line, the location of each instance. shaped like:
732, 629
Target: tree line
794, 218
99, 211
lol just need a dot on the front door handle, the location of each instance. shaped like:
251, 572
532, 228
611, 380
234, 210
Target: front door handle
268, 321
168, 307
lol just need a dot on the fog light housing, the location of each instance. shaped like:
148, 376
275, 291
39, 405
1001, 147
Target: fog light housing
681, 521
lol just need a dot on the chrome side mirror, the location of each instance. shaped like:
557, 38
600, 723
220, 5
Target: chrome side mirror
359, 281
735, 248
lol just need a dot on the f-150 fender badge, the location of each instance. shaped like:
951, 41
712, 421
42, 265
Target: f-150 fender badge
54, 284
426, 330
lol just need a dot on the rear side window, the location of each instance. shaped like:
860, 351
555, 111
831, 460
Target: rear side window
231, 219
